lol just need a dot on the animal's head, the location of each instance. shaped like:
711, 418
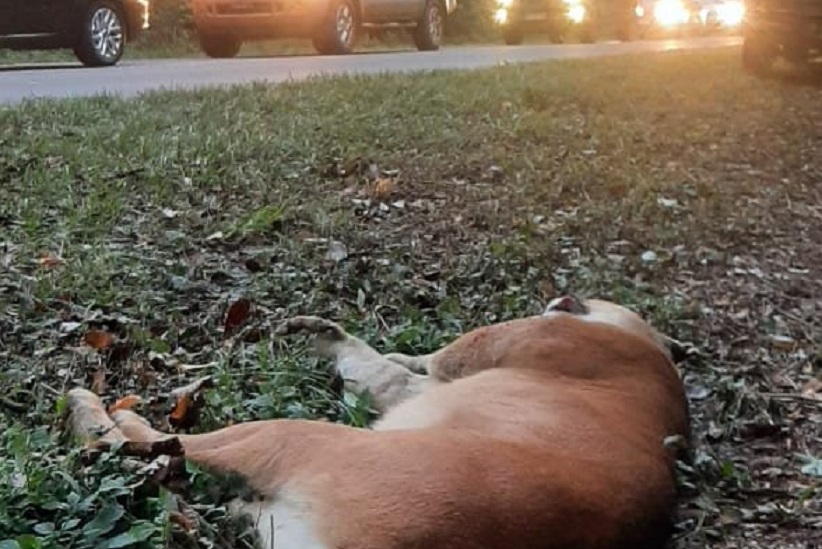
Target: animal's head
606, 312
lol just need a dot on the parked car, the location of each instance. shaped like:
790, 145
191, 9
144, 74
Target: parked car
97, 30
555, 18
333, 25
791, 29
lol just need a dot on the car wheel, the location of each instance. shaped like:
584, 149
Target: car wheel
337, 32
758, 55
103, 38
220, 46
513, 36
429, 31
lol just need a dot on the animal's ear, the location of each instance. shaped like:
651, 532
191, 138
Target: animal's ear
567, 304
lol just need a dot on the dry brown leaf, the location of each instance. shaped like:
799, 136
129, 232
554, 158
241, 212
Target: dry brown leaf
383, 187
178, 518
186, 411
51, 261
98, 383
125, 403
237, 314
99, 339
181, 411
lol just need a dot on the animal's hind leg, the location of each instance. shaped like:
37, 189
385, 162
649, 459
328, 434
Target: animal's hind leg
419, 364
388, 381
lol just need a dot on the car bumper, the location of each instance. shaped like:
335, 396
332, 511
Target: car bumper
572, 16
258, 19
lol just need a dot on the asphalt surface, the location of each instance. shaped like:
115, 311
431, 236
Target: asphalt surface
129, 78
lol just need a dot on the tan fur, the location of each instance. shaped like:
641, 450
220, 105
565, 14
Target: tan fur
544, 433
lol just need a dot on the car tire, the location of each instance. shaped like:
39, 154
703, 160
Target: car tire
429, 32
513, 36
338, 31
758, 54
103, 38
220, 46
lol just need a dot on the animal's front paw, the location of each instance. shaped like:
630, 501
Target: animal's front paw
311, 325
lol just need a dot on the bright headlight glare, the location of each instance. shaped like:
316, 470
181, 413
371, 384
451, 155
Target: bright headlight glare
669, 13
576, 13
731, 13
501, 16
505, 3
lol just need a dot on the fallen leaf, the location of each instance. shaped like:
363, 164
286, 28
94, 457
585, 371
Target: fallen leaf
336, 251
186, 411
812, 465
69, 327
648, 256
98, 383
783, 343
180, 411
125, 403
51, 261
237, 315
99, 339
667, 202
383, 187
178, 518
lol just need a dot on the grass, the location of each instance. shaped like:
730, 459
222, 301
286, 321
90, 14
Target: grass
411, 208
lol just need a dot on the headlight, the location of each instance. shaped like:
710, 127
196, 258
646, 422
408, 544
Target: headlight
731, 13
501, 16
576, 13
669, 13
639, 11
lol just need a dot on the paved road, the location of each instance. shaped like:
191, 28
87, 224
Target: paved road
134, 77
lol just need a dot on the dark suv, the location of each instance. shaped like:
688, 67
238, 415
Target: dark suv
96, 30
791, 29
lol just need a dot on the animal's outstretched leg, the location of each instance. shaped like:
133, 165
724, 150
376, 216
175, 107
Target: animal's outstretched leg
419, 364
388, 381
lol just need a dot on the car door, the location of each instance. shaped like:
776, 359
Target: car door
43, 16
6, 14
376, 11
404, 10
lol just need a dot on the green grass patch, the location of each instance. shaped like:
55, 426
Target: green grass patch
411, 208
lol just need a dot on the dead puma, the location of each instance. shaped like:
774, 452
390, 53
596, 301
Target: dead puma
540, 433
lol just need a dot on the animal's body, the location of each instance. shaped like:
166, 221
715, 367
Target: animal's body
540, 433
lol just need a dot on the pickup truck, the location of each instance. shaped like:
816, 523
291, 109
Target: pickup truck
791, 29
333, 25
